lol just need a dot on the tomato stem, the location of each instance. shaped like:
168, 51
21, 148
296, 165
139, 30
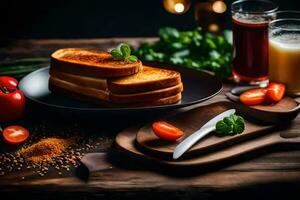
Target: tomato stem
1, 130
4, 89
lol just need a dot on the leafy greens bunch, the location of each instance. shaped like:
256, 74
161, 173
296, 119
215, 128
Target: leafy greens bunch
231, 125
193, 49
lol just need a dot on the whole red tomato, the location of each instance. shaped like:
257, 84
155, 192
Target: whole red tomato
9, 83
12, 100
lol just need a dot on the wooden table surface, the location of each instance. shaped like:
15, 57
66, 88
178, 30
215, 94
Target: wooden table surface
263, 175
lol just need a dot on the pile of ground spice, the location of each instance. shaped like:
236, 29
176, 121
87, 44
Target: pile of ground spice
84, 142
46, 149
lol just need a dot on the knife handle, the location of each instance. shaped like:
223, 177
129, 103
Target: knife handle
188, 142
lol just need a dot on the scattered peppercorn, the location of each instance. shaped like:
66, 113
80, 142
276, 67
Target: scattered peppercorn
75, 146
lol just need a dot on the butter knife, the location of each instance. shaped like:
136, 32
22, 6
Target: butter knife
210, 126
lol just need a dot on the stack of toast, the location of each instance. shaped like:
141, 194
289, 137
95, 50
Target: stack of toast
95, 76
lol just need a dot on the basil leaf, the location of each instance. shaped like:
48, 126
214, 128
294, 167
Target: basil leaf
117, 54
125, 49
122, 52
168, 34
132, 58
206, 51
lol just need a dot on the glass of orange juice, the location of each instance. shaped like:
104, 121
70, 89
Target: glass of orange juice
284, 50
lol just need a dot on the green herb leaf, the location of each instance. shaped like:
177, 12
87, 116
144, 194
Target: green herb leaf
122, 52
168, 34
132, 58
125, 49
117, 54
223, 128
239, 126
230, 125
192, 49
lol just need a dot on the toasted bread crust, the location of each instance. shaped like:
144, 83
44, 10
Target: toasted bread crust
55, 83
57, 87
67, 93
146, 96
147, 79
163, 101
115, 98
97, 83
92, 63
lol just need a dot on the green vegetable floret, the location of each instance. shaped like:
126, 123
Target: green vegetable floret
231, 125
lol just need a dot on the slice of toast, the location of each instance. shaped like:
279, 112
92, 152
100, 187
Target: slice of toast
97, 83
92, 63
101, 98
149, 78
102, 95
56, 83
146, 96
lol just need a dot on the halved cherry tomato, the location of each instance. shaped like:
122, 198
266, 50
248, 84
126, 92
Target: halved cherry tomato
15, 134
166, 131
254, 96
275, 92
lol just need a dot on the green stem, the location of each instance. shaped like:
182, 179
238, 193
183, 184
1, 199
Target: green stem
26, 61
4, 89
1, 130
18, 71
18, 67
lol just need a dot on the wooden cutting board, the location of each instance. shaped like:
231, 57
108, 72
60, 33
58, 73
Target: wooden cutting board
190, 122
141, 142
125, 142
194, 119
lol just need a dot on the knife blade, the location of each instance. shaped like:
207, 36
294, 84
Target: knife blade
208, 127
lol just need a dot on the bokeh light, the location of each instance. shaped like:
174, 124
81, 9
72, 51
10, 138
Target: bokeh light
177, 6
219, 7
207, 17
213, 28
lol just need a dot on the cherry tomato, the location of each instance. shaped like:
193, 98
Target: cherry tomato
12, 105
12, 100
9, 83
15, 134
166, 131
275, 92
254, 96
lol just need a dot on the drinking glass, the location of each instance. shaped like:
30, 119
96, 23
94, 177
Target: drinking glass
284, 50
250, 20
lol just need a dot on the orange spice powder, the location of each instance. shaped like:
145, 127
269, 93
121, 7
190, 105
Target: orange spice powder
46, 149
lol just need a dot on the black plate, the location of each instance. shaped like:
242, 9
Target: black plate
198, 86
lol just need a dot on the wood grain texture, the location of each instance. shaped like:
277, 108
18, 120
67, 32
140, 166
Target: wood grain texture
191, 121
285, 110
263, 175
127, 142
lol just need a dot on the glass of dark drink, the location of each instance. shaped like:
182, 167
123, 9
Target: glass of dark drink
250, 20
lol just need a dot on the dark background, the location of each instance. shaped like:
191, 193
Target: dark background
95, 18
